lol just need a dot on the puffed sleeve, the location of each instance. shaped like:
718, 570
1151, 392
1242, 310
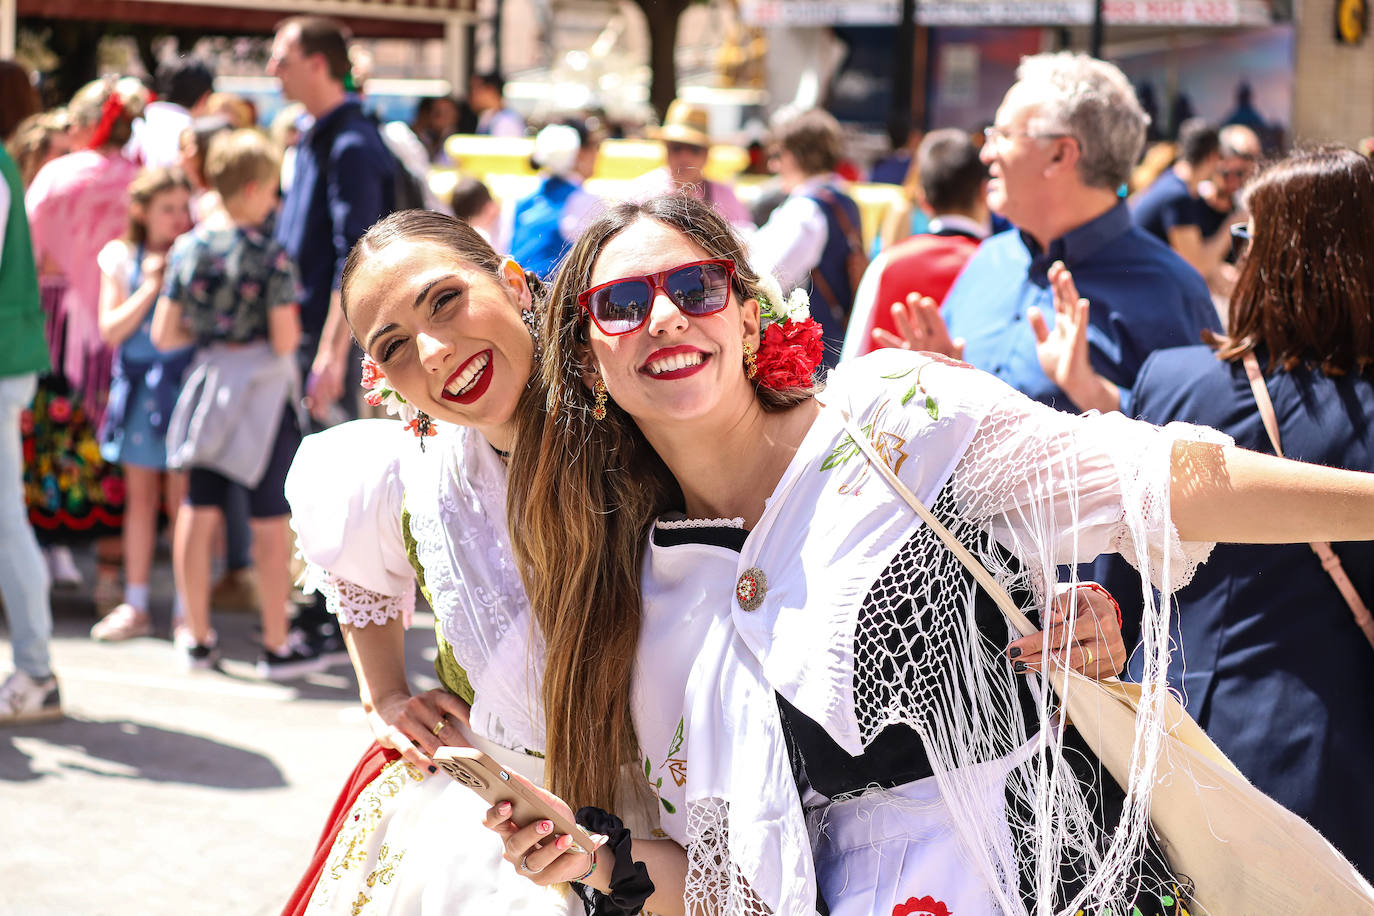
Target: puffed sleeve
345, 492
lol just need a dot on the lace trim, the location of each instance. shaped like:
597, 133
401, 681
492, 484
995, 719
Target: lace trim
680, 524
355, 605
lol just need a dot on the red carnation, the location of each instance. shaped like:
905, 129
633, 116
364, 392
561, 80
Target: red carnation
921, 906
373, 397
789, 354
372, 374
59, 410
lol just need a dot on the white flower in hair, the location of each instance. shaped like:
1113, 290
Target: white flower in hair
779, 308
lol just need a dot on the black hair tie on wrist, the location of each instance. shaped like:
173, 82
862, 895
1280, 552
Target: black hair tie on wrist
630, 884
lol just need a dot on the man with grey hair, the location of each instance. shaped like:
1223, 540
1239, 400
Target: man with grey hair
1062, 145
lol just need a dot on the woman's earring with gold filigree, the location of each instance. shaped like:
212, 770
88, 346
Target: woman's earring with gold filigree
599, 408
751, 366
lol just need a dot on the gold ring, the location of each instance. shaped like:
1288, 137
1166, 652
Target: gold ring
439, 726
1090, 656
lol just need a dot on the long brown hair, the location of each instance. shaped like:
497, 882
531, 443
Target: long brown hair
148, 185
1305, 294
583, 494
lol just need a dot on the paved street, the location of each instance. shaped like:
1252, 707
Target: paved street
165, 792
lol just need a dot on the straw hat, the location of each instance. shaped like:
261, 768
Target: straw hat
684, 123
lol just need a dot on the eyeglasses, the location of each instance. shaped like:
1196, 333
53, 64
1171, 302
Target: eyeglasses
697, 288
997, 134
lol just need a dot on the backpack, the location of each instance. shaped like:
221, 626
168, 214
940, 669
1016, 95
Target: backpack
408, 189
855, 261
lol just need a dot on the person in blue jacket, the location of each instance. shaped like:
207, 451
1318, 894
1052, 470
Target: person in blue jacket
547, 221
1274, 665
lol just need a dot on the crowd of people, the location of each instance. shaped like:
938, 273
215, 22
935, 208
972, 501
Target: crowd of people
627, 478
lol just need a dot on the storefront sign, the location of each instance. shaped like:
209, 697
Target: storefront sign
1009, 12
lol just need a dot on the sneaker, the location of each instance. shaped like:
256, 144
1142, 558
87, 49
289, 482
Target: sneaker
23, 699
196, 656
124, 622
297, 659
327, 641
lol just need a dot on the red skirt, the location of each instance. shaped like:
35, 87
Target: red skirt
373, 761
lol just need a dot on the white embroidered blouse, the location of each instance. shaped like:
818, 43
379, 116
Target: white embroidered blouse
360, 490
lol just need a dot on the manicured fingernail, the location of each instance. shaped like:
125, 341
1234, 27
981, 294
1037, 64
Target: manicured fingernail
434, 769
1019, 667
545, 826
503, 808
1014, 652
563, 842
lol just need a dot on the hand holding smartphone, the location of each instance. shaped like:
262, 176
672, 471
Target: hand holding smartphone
496, 784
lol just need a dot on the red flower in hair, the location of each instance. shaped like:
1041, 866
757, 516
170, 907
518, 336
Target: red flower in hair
789, 354
921, 906
372, 374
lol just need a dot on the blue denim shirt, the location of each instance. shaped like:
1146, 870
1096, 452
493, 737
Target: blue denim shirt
344, 183
1144, 298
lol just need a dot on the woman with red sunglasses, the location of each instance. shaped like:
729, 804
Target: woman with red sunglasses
745, 624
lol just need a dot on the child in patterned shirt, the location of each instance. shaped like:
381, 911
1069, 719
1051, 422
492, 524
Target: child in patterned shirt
233, 292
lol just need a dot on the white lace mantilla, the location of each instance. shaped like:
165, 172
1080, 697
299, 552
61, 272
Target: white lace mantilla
869, 621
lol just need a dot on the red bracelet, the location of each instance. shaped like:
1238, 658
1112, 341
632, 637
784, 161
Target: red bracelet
1102, 591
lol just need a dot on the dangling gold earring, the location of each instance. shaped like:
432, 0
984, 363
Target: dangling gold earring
751, 365
599, 408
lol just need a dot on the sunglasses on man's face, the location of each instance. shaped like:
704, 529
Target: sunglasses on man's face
697, 288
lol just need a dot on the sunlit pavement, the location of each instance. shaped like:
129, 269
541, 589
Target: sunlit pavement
173, 792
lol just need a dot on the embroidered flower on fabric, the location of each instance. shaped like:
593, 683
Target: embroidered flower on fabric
921, 906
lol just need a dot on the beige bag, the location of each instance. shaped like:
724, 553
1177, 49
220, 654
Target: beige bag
1245, 853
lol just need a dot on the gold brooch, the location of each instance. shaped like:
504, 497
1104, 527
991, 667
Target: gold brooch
751, 588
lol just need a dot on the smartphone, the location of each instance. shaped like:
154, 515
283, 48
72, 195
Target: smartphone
495, 784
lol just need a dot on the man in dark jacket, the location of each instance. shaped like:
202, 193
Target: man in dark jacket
344, 182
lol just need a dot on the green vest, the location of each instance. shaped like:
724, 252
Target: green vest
22, 346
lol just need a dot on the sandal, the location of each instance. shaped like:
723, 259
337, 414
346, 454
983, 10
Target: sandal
124, 622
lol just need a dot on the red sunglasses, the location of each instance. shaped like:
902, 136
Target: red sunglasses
697, 288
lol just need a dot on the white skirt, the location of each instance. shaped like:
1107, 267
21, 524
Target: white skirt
414, 845
899, 851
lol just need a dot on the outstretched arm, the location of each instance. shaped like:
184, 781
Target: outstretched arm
1228, 494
